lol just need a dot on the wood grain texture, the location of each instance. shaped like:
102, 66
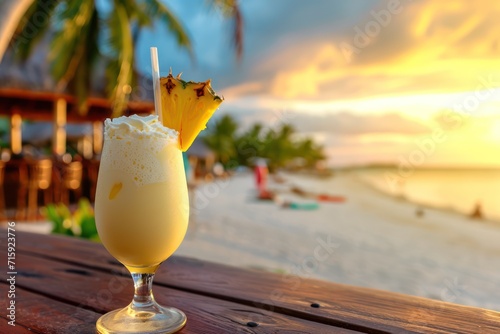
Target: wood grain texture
94, 292
361, 309
45, 315
17, 329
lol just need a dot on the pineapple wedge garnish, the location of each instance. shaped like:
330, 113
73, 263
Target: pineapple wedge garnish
187, 106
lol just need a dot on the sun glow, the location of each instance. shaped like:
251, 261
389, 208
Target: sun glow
494, 133
435, 67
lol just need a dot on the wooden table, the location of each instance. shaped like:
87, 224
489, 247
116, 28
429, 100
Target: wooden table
62, 285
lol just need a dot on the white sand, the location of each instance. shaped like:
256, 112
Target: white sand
374, 240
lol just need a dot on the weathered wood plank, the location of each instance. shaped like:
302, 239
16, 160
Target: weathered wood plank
44, 315
340, 305
94, 255
391, 312
99, 292
17, 329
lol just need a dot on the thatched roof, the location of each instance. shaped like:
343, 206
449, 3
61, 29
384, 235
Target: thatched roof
31, 75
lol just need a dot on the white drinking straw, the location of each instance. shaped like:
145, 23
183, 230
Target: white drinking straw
156, 82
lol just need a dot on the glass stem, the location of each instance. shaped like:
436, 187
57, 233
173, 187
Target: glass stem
143, 291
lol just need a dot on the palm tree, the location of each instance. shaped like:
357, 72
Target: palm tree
278, 146
220, 138
310, 152
249, 145
83, 36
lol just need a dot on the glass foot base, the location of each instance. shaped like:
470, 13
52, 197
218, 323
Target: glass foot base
154, 320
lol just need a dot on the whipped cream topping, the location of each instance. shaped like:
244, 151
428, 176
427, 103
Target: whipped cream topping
137, 127
139, 146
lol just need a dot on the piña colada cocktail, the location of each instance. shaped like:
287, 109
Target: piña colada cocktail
141, 206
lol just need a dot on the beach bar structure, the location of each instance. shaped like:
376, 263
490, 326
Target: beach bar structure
55, 182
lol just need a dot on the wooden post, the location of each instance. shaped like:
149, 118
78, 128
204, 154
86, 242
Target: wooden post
16, 140
85, 147
59, 139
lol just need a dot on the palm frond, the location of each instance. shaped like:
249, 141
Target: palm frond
32, 27
93, 38
231, 9
80, 85
137, 11
79, 38
69, 40
80, 82
157, 9
119, 70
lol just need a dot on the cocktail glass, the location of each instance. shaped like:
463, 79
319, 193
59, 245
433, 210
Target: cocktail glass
141, 212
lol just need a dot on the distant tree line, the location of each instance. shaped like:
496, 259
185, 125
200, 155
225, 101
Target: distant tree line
281, 147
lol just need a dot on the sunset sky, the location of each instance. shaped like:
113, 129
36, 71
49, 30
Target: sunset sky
374, 81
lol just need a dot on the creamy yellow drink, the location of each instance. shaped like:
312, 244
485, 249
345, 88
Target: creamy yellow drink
141, 206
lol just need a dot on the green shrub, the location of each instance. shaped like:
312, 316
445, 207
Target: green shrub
79, 224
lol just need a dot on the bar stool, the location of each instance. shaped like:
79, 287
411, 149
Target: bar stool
71, 181
39, 178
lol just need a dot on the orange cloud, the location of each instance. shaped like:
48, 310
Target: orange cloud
430, 47
246, 88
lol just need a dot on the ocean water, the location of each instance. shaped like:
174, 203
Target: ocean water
460, 190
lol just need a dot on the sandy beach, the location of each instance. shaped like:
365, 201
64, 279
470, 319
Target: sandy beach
370, 240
